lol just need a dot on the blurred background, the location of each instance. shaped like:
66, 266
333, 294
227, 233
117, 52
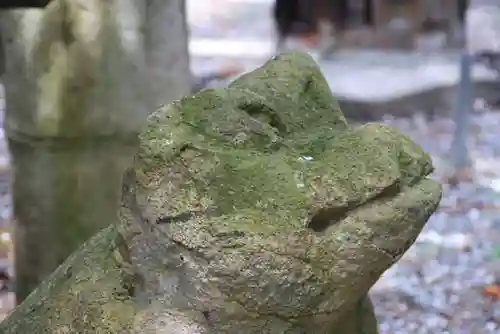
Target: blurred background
427, 67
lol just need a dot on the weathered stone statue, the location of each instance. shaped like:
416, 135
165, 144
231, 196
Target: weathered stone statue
251, 209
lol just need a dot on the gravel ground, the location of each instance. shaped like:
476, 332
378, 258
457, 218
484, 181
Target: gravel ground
437, 287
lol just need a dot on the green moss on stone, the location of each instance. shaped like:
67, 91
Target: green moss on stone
278, 185
256, 209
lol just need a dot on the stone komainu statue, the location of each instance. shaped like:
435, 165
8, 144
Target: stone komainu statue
251, 209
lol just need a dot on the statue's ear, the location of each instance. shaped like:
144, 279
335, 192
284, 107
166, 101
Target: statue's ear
295, 87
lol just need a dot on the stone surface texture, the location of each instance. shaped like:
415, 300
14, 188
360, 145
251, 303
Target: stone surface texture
250, 209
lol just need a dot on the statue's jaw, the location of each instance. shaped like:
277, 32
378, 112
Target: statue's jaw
397, 219
340, 264
379, 192
372, 237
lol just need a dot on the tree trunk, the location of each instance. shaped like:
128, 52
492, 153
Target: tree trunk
252, 209
77, 92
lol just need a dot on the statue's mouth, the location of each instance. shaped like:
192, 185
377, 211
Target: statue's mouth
325, 218
386, 225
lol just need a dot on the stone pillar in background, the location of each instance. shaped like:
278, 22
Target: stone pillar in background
77, 93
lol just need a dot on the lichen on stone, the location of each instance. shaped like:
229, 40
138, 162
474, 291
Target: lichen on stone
257, 209
293, 213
